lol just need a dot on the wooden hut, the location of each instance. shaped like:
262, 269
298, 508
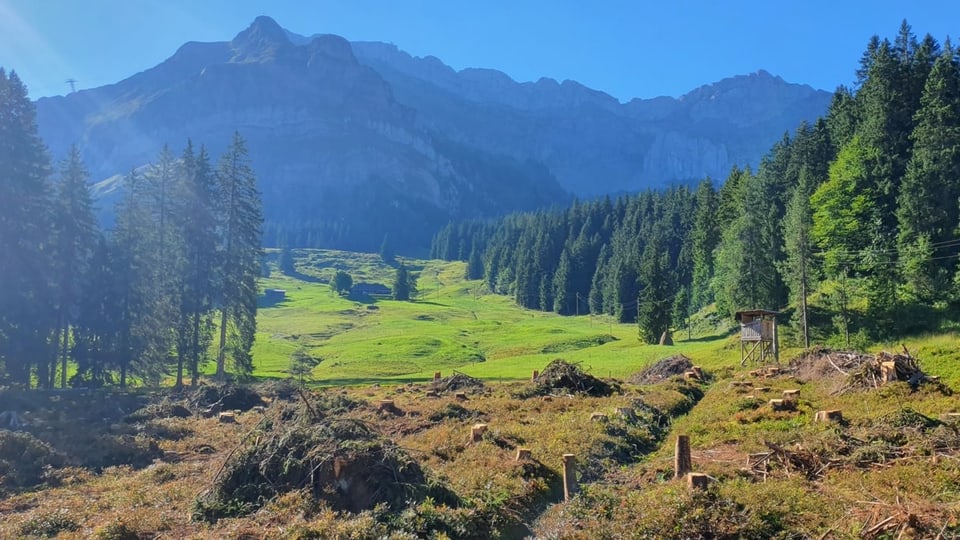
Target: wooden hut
758, 336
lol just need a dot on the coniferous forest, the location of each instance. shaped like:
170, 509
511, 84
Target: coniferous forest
851, 225
175, 278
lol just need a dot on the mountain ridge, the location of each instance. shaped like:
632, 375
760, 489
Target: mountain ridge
408, 140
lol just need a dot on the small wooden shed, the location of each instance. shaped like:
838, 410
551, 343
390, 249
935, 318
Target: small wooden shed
758, 336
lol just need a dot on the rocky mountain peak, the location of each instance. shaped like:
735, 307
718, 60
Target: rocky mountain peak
259, 41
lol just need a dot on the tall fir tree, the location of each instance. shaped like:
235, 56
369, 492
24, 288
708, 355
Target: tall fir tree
197, 226
927, 209
705, 237
239, 265
27, 299
75, 233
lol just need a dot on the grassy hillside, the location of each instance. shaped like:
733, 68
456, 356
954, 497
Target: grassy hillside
453, 324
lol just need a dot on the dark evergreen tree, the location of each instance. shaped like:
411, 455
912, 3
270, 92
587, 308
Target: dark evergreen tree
240, 219
927, 210
75, 237
198, 280
474, 265
27, 299
656, 296
705, 237
404, 284
342, 283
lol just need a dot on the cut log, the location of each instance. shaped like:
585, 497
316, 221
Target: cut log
762, 389
523, 454
681, 459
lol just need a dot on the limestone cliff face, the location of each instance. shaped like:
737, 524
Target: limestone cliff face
356, 140
593, 143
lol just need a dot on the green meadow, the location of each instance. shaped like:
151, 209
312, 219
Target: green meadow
453, 324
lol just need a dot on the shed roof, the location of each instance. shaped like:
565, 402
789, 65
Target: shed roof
755, 312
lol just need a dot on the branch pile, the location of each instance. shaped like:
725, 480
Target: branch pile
858, 371
562, 375
457, 381
343, 462
662, 369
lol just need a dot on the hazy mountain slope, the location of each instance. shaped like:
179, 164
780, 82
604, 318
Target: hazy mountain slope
335, 153
589, 140
354, 141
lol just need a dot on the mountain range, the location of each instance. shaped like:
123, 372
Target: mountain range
355, 141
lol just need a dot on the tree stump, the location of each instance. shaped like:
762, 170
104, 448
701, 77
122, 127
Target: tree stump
431, 394
547, 398
436, 376
386, 405
476, 433
462, 396
598, 417
698, 481
533, 378
762, 389
691, 374
523, 454
682, 463
791, 394
783, 404
227, 418
570, 486
834, 415
697, 371
666, 339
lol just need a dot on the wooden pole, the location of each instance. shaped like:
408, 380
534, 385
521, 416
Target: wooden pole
570, 487
681, 460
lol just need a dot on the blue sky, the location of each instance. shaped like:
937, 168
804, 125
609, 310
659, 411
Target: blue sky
625, 48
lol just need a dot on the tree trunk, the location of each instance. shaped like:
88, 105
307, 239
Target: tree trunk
222, 352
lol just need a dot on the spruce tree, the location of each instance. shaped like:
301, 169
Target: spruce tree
198, 224
927, 211
705, 236
239, 264
75, 238
27, 314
